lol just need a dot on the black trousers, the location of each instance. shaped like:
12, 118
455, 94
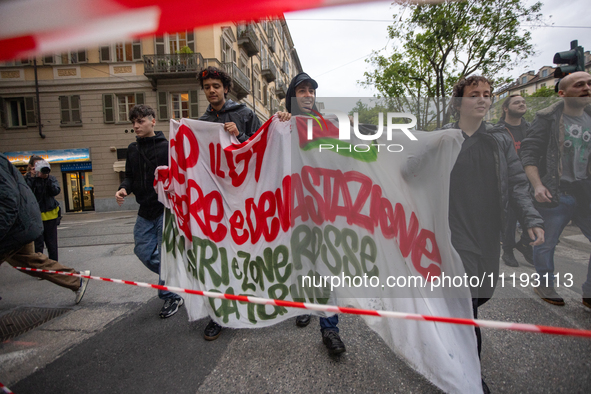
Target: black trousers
482, 267
49, 238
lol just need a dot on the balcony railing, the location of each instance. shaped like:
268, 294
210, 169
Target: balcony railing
247, 39
280, 89
268, 70
240, 80
173, 64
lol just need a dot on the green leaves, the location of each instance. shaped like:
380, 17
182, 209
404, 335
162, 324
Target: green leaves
437, 44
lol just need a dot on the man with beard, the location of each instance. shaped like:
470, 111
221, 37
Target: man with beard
514, 107
301, 100
555, 155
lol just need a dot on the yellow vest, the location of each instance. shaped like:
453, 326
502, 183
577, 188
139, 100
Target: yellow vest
50, 215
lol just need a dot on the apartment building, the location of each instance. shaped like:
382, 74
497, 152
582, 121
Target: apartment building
72, 108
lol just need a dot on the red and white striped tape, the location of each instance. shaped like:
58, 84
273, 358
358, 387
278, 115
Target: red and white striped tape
352, 311
5, 389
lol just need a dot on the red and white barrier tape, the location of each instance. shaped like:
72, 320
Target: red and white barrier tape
339, 309
5, 389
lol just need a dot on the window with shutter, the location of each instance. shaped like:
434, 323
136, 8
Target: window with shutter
19, 112
70, 110
31, 111
108, 111
193, 104
162, 106
159, 42
139, 98
105, 53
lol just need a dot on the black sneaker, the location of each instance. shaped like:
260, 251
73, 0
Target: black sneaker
212, 331
587, 302
527, 251
509, 259
303, 320
549, 295
170, 307
485, 389
333, 342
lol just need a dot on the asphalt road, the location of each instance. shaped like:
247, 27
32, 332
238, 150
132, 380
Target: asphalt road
115, 342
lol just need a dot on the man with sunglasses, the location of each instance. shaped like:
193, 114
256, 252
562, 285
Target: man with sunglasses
238, 119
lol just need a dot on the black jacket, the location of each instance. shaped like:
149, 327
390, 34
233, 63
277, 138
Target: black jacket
45, 191
246, 121
20, 217
513, 184
143, 156
541, 147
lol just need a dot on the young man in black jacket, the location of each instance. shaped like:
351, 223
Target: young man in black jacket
238, 119
143, 156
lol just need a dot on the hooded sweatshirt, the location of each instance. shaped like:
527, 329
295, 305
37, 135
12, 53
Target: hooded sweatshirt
143, 156
246, 121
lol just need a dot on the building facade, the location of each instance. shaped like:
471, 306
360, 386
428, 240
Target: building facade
72, 108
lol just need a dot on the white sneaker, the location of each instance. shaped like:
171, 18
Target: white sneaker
83, 283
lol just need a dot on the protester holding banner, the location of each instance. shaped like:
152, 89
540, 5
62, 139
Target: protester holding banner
239, 120
302, 93
143, 156
486, 177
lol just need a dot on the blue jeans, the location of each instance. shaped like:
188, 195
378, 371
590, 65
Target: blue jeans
148, 238
555, 220
329, 323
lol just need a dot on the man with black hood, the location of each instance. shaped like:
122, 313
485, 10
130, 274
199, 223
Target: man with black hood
238, 119
302, 88
143, 156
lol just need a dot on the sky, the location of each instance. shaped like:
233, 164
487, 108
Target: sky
334, 52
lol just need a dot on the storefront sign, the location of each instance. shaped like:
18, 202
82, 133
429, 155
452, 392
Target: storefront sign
82, 166
52, 156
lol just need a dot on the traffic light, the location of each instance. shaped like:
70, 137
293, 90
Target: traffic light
569, 61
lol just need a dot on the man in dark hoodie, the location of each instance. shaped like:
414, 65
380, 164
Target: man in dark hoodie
301, 100
143, 156
238, 119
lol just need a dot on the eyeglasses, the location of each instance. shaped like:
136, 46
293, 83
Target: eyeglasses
206, 73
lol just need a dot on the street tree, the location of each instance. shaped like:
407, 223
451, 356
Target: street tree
439, 43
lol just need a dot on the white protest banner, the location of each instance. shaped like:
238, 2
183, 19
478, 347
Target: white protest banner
285, 217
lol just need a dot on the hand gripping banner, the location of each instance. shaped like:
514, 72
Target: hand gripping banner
280, 217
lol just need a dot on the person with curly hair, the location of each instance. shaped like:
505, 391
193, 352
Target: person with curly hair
238, 119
